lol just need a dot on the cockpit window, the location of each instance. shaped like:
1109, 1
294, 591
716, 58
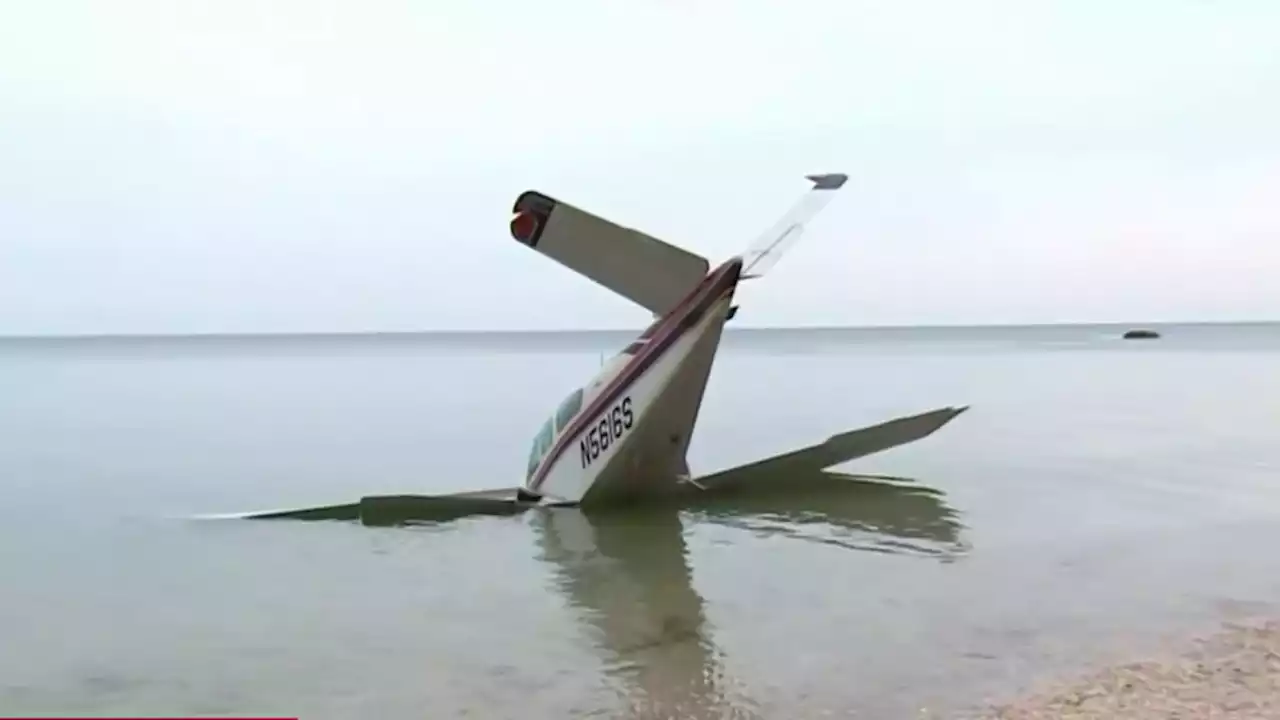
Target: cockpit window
568, 409
546, 434
541, 444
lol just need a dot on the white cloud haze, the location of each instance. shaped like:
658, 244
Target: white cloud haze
180, 166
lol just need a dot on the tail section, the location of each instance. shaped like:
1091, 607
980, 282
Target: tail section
647, 271
765, 252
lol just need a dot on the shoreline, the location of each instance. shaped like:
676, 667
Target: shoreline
1233, 672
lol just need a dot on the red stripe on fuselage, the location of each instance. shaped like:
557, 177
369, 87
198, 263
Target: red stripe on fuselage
660, 336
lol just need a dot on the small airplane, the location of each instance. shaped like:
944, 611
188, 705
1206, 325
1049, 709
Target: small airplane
625, 434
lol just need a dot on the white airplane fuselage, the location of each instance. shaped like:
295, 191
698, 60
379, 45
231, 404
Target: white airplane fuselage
627, 432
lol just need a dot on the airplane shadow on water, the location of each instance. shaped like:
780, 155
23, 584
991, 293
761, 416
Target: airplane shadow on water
628, 574
876, 513
626, 569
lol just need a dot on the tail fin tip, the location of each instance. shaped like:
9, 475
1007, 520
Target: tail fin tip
827, 181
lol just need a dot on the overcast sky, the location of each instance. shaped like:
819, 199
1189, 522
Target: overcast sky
177, 166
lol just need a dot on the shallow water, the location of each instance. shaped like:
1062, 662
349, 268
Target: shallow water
1097, 493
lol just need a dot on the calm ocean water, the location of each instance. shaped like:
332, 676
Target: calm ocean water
1099, 493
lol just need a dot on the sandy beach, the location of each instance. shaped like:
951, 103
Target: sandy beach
1231, 674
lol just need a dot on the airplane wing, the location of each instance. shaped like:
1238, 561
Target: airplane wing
836, 449
797, 464
645, 270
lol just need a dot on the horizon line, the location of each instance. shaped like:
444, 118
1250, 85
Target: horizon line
560, 331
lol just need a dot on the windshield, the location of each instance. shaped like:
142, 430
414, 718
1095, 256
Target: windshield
541, 444
565, 413
568, 409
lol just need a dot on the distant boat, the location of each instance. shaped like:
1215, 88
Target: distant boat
1140, 334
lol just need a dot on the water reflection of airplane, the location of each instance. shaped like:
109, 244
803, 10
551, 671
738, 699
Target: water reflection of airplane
876, 513
628, 575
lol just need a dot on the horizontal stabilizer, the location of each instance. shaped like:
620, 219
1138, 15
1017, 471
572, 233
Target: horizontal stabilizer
645, 270
837, 449
765, 252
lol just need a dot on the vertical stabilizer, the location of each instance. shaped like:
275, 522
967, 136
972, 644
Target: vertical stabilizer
767, 249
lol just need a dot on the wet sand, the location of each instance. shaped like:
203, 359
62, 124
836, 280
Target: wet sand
1233, 673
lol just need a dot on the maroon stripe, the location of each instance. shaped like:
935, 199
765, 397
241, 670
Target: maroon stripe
662, 334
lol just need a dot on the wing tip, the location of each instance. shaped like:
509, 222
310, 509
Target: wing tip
827, 181
937, 420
